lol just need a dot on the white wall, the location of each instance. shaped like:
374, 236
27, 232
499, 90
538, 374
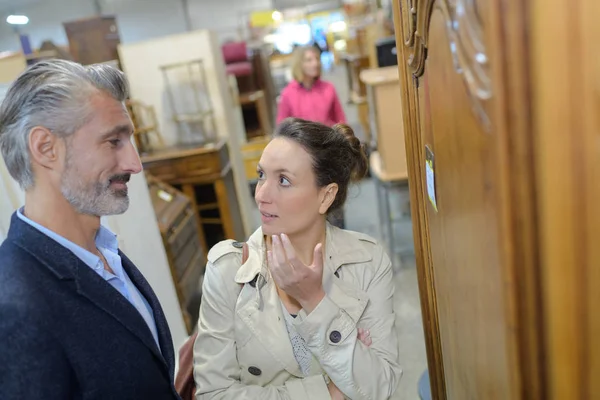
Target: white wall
137, 19
11, 197
224, 17
145, 19
45, 21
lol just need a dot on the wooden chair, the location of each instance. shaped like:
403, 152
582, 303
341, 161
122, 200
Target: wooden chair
145, 126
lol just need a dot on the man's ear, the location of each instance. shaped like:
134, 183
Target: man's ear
44, 147
328, 194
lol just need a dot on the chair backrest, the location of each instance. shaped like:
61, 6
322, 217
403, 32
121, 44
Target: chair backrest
234, 52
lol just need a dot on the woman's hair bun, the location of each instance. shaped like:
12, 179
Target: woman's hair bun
361, 162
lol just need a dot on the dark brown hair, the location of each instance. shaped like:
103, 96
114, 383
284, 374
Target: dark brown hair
338, 156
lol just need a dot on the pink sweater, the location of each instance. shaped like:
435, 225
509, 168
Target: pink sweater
320, 103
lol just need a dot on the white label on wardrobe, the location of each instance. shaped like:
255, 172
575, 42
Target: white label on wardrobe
430, 177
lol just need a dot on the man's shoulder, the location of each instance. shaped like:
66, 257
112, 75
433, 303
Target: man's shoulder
11, 256
19, 277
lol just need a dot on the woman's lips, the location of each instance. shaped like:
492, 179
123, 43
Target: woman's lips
266, 217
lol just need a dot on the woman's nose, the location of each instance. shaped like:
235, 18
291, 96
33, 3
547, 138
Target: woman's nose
261, 193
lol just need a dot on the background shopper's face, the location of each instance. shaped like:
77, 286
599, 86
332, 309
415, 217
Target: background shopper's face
286, 194
311, 64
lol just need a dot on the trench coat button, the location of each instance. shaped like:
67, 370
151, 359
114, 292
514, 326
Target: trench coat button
254, 371
335, 336
238, 245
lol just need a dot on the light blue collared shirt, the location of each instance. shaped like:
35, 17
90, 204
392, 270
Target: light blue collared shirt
107, 243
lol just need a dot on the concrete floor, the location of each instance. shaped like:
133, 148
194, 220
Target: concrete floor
361, 214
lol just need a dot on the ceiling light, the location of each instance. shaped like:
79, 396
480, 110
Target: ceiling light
17, 19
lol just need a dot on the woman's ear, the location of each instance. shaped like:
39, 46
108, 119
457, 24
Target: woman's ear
328, 194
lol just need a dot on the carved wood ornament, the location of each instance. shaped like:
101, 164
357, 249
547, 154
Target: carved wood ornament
465, 37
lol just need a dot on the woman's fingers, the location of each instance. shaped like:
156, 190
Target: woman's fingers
271, 263
279, 256
289, 251
278, 251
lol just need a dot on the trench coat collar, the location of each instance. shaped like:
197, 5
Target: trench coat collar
342, 247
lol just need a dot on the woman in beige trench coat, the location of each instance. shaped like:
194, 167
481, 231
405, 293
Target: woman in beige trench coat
289, 323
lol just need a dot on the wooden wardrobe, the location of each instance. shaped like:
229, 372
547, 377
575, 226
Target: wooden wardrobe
501, 100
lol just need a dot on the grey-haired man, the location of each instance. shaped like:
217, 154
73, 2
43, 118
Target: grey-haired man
77, 318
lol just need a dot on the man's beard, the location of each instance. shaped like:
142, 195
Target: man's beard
93, 198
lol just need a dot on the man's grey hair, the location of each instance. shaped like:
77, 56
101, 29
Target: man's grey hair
54, 94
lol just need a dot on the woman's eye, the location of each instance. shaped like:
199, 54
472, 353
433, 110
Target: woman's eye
260, 174
283, 181
115, 142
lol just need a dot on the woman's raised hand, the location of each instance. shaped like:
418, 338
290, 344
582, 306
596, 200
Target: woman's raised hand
302, 282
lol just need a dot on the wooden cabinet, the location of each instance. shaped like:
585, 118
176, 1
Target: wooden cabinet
93, 40
264, 81
387, 130
257, 121
178, 226
500, 105
355, 63
204, 174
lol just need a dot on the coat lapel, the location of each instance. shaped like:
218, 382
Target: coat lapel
164, 334
259, 307
345, 248
267, 324
105, 297
66, 266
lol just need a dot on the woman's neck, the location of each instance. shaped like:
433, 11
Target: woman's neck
304, 245
308, 82
305, 242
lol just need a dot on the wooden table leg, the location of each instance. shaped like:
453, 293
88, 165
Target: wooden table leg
189, 192
224, 210
349, 78
263, 116
363, 116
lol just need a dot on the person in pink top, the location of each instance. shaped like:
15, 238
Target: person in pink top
307, 96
